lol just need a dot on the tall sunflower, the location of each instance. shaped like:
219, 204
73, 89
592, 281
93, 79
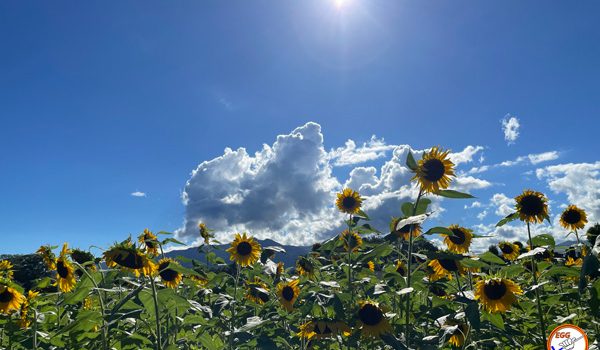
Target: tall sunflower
258, 291
65, 273
83, 258
24, 318
129, 258
348, 201
10, 299
352, 240
497, 294
205, 233
460, 241
405, 230
372, 318
170, 277
573, 218
150, 241
510, 251
532, 206
434, 170
244, 250
401, 268
48, 256
6, 270
457, 338
445, 268
288, 293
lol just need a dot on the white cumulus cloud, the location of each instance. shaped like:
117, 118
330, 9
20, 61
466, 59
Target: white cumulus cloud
138, 194
510, 127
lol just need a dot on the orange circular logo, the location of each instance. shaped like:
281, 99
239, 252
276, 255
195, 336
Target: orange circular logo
567, 337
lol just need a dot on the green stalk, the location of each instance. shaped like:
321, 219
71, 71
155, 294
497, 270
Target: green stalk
34, 329
408, 279
537, 293
102, 308
237, 277
156, 314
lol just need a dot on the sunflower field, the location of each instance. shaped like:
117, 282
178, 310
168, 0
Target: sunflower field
363, 289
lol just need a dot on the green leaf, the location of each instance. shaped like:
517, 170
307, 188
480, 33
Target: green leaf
473, 263
407, 209
411, 163
491, 258
507, 219
439, 230
171, 240
543, 239
562, 271
453, 194
472, 312
589, 268
495, 319
362, 215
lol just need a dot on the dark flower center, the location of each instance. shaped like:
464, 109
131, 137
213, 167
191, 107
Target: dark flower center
288, 293
167, 274
6, 296
61, 268
407, 228
130, 260
434, 169
244, 248
349, 202
458, 236
449, 264
81, 257
506, 248
495, 290
400, 270
437, 290
327, 330
370, 315
532, 205
571, 216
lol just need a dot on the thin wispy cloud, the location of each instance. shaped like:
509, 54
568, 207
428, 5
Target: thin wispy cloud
138, 194
510, 127
530, 159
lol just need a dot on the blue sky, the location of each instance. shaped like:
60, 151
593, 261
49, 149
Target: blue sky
99, 100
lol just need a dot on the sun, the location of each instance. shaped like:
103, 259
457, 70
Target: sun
340, 3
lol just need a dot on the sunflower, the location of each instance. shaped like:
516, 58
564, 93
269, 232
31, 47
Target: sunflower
460, 240
445, 268
405, 230
348, 201
323, 329
592, 233
150, 241
244, 250
204, 233
170, 277
48, 256
280, 270
573, 218
87, 303
83, 258
10, 299
128, 257
497, 294
434, 170
65, 273
6, 269
574, 262
199, 281
372, 318
437, 290
371, 265
305, 267
24, 319
457, 338
352, 240
510, 251
288, 293
532, 206
401, 268
258, 291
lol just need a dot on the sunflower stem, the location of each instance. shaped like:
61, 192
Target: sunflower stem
157, 314
102, 308
537, 293
34, 329
409, 264
237, 277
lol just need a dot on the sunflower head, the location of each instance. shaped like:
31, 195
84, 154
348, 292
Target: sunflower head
458, 335
83, 258
573, 218
460, 241
437, 290
244, 250
352, 240
65, 273
6, 270
323, 329
205, 233
401, 268
170, 277
305, 267
280, 270
592, 233
150, 242
372, 318
445, 268
574, 261
434, 170
288, 293
497, 294
371, 266
258, 291
128, 257
532, 206
10, 299
510, 251
348, 201
48, 256
404, 231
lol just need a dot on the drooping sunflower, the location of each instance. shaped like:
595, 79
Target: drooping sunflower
461, 239
83, 258
404, 231
372, 318
129, 258
510, 251
305, 267
280, 270
592, 233
24, 318
437, 290
497, 294
434, 170
199, 281
10, 299
401, 268
170, 277
48, 256
457, 338
532, 206
288, 293
348, 201
258, 291
352, 240
445, 268
323, 329
65, 273
244, 250
205, 233
6, 270
573, 218
150, 241
574, 262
